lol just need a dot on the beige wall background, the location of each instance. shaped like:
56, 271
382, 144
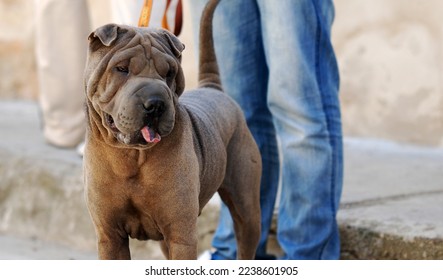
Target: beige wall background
389, 53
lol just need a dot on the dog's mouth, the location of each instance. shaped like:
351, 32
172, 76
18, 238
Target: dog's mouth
147, 134
150, 135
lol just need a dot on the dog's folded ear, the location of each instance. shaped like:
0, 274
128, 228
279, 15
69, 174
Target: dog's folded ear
107, 34
177, 47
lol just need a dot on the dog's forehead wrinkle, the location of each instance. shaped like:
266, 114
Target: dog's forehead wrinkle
158, 41
145, 43
138, 51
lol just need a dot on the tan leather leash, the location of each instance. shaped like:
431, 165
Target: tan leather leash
145, 13
145, 16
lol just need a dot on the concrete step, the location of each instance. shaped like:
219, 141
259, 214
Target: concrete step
391, 206
392, 202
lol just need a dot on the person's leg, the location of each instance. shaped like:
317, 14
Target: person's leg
62, 28
303, 99
239, 49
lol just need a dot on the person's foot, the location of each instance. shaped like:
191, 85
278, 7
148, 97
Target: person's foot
208, 255
205, 256
81, 148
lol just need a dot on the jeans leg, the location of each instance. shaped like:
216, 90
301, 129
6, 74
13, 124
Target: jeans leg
303, 99
239, 49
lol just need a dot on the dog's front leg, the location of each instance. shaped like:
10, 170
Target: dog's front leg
178, 251
113, 248
181, 243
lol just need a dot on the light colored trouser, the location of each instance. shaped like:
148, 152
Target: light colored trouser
62, 28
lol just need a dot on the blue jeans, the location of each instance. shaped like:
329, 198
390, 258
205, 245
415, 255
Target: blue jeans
276, 60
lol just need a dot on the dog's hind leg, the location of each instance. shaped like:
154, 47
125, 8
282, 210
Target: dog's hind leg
246, 220
241, 193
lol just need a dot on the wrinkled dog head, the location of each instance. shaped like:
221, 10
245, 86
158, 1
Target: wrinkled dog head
133, 79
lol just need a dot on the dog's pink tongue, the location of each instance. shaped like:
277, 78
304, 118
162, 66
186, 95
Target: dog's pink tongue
150, 135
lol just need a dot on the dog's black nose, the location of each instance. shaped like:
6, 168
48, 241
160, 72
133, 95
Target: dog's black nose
154, 107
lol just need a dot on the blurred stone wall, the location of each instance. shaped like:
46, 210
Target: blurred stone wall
390, 56
389, 53
17, 75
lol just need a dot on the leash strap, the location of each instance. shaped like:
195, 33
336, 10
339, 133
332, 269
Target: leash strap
177, 14
145, 13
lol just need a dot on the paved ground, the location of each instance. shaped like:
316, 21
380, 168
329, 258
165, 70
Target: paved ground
391, 207
13, 248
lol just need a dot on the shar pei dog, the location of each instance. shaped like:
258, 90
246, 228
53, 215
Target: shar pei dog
154, 156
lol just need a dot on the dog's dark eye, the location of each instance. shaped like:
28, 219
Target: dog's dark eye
122, 69
170, 75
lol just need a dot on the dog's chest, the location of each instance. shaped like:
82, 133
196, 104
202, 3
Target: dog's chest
142, 231
140, 226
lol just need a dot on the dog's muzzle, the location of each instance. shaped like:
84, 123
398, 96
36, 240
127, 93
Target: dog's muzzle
144, 114
154, 110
